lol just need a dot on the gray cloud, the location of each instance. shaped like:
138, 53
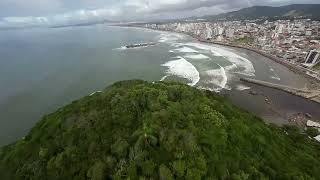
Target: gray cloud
16, 13
30, 7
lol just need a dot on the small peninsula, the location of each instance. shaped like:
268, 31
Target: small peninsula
162, 130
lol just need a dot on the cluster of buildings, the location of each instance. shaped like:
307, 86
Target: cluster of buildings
295, 41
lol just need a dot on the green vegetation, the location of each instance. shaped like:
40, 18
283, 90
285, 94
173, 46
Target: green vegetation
245, 40
139, 130
312, 132
317, 67
288, 12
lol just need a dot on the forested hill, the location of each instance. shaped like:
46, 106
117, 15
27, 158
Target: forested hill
140, 130
283, 12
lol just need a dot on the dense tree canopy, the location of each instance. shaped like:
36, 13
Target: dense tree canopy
140, 130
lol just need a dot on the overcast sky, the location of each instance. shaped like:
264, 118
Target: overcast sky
51, 12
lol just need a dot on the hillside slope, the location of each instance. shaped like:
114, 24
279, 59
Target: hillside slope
295, 10
136, 129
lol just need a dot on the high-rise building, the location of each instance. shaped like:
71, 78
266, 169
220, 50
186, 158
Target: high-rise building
312, 58
308, 32
208, 33
230, 33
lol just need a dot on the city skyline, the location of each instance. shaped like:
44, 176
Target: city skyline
290, 41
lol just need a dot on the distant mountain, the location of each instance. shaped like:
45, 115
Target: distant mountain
84, 23
311, 11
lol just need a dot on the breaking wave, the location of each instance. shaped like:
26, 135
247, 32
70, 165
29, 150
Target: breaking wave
205, 63
197, 56
218, 77
242, 87
275, 77
170, 37
233, 58
186, 50
182, 68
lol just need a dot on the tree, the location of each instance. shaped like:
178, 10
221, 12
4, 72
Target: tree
97, 171
165, 173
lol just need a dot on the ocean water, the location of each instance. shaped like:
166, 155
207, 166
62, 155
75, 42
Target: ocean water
44, 69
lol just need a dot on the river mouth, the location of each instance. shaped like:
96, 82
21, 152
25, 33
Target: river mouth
273, 105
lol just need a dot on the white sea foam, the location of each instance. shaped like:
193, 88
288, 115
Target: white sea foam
164, 77
95, 93
209, 89
231, 67
163, 39
235, 59
218, 77
197, 56
176, 44
186, 50
242, 87
275, 77
170, 37
204, 47
121, 48
227, 88
182, 68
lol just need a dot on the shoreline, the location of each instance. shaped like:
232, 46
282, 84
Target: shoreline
297, 69
284, 116
312, 78
307, 73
